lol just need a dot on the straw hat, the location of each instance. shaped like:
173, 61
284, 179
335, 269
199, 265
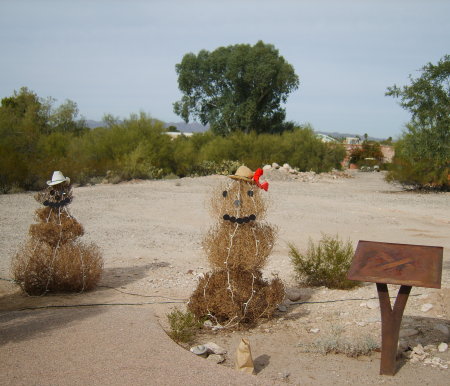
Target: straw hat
58, 178
243, 173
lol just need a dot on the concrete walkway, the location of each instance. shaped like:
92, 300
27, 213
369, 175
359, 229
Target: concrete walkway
100, 346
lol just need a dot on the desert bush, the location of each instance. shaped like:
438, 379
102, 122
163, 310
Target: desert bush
335, 343
324, 264
183, 325
419, 170
206, 168
423, 152
137, 164
368, 149
35, 139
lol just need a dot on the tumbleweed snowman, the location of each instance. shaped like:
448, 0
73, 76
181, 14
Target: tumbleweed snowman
237, 247
53, 259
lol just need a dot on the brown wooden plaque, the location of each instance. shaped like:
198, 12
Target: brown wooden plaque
389, 263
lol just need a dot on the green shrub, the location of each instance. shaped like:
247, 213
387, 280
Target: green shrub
422, 155
419, 171
324, 264
36, 139
183, 325
206, 168
368, 149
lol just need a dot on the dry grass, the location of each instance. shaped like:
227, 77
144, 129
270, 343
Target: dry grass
335, 343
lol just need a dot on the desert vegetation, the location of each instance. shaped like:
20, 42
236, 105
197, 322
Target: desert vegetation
422, 155
37, 137
324, 263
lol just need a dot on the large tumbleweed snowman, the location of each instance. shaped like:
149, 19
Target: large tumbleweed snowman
237, 248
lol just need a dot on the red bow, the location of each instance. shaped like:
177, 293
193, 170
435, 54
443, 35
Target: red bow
259, 172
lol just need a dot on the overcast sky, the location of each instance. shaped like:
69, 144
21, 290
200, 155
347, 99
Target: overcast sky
119, 57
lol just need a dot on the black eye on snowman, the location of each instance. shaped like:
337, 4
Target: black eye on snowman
250, 193
224, 193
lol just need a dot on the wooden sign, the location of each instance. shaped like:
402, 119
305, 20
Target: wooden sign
389, 263
404, 264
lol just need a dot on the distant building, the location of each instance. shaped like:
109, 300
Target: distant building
325, 138
352, 140
174, 134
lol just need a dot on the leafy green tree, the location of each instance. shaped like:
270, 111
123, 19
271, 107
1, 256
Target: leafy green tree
22, 120
422, 155
63, 119
31, 140
236, 88
389, 141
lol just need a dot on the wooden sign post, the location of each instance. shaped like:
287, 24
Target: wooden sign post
402, 264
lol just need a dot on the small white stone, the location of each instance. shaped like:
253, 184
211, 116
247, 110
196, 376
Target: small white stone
361, 324
372, 304
314, 330
293, 294
436, 360
443, 347
275, 165
414, 359
216, 358
208, 324
363, 304
282, 308
267, 167
418, 349
215, 348
217, 327
284, 375
426, 307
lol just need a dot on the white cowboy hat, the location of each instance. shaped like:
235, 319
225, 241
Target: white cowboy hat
58, 178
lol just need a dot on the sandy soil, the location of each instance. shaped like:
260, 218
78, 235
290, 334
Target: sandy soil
150, 233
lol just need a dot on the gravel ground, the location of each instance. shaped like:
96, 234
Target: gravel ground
150, 234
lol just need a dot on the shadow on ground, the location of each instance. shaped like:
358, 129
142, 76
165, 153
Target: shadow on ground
23, 316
